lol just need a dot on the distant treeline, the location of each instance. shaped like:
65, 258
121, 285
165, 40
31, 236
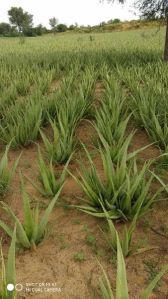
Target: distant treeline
21, 23
12, 31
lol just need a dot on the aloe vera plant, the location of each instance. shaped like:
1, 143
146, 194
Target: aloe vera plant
71, 110
111, 121
125, 241
121, 280
87, 84
32, 231
120, 148
123, 190
8, 275
126, 238
149, 106
22, 125
8, 98
50, 184
63, 144
6, 173
22, 86
43, 82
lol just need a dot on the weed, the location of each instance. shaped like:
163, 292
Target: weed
91, 240
151, 268
79, 257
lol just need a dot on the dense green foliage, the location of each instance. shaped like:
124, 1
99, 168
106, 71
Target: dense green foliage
20, 18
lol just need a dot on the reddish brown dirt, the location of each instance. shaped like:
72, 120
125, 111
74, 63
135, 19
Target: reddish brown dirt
54, 259
55, 85
140, 140
99, 89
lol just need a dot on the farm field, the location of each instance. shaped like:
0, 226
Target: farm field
85, 116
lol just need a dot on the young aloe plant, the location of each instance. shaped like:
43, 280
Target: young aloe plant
87, 84
149, 106
121, 281
22, 124
112, 129
63, 144
6, 174
118, 149
8, 271
127, 236
111, 119
31, 232
71, 110
50, 185
124, 189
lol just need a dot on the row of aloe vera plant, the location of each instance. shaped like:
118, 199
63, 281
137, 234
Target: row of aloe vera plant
22, 120
125, 190
24, 127
26, 234
147, 100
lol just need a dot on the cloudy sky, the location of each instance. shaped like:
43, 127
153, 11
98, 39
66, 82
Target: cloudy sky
84, 12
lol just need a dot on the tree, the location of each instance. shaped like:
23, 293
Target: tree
153, 9
5, 29
61, 28
22, 20
53, 23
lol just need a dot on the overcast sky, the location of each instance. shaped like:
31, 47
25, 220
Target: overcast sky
84, 12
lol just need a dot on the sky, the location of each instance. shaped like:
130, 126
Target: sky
84, 12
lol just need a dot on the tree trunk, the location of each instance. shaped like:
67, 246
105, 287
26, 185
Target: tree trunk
166, 42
